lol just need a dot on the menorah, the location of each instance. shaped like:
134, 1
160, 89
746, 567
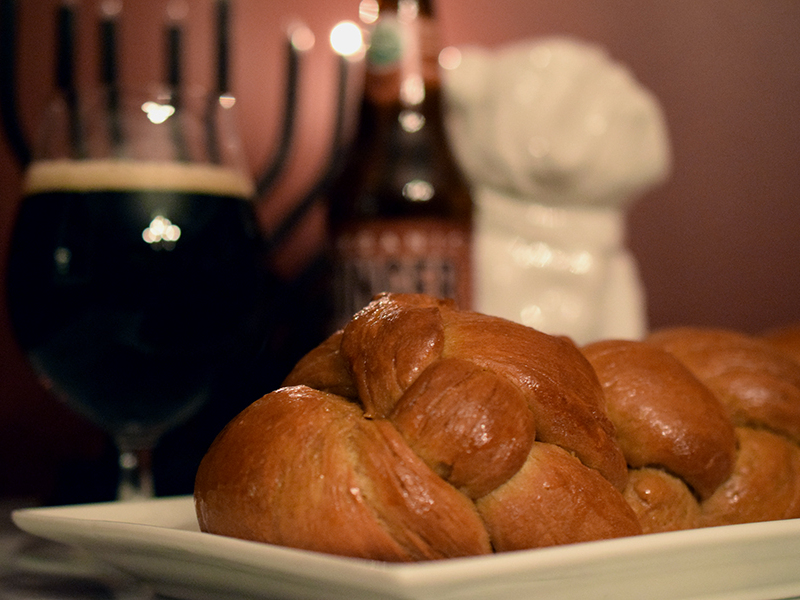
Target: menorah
136, 281
345, 42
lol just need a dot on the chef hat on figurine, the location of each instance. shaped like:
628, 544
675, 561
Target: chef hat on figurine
556, 138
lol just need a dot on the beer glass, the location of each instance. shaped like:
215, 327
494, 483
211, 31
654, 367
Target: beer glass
135, 281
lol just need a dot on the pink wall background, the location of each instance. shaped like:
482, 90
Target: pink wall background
718, 244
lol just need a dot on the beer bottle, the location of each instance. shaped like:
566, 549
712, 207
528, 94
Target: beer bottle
401, 211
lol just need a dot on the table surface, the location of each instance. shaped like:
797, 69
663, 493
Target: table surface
35, 569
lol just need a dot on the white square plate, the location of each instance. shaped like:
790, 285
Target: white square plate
158, 541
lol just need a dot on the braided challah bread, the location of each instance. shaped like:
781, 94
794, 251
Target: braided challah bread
420, 431
709, 422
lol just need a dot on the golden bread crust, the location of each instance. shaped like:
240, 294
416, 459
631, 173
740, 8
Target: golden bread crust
425, 420
423, 432
708, 420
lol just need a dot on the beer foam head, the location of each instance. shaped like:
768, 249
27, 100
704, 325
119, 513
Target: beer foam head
110, 174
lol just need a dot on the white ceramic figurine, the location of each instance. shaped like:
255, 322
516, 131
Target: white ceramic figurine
557, 140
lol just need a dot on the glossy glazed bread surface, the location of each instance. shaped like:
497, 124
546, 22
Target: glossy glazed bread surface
708, 420
421, 432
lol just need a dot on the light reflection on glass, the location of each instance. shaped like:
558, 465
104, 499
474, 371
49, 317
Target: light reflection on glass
418, 190
407, 10
411, 120
450, 58
301, 37
161, 232
227, 101
412, 90
368, 11
62, 257
158, 113
346, 38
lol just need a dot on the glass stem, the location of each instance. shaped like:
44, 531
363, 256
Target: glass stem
135, 474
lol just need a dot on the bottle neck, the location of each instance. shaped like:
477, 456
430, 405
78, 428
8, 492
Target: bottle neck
402, 58
423, 7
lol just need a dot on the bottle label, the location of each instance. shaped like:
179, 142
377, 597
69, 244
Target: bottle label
410, 256
402, 59
386, 45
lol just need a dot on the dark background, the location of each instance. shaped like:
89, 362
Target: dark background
717, 244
